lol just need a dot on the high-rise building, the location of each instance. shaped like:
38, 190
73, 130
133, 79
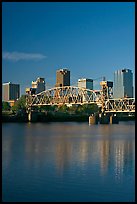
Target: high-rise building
85, 83
62, 77
107, 88
30, 91
10, 91
39, 85
123, 83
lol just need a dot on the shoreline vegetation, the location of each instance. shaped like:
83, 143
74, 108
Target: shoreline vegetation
54, 113
54, 117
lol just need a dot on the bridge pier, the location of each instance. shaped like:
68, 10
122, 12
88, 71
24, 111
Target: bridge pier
93, 119
114, 119
108, 119
104, 119
32, 116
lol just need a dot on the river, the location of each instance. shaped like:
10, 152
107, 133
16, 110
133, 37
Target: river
68, 161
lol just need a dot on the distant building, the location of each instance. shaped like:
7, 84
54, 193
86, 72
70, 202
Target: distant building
62, 77
30, 91
10, 91
39, 85
85, 83
107, 88
11, 102
123, 83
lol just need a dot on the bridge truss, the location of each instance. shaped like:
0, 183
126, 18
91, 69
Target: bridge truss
64, 95
76, 95
120, 105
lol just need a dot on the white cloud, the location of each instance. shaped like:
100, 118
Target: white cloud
16, 56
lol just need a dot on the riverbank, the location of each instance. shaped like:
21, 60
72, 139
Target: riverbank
54, 117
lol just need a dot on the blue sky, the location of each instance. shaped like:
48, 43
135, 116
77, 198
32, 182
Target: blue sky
90, 39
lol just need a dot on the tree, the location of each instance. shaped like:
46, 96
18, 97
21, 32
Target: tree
47, 108
85, 109
63, 108
5, 106
90, 108
20, 104
73, 109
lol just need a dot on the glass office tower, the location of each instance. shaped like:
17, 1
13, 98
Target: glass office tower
123, 83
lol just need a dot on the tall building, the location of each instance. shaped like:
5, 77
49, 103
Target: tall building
107, 88
123, 83
85, 83
62, 77
39, 85
30, 91
10, 91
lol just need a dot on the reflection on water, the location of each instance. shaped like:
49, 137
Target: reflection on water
68, 152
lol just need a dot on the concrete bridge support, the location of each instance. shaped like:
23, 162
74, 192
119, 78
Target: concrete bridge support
32, 116
104, 119
93, 119
114, 119
108, 119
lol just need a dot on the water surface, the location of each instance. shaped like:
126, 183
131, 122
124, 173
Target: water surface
68, 162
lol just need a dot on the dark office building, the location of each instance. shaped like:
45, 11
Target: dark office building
62, 77
10, 91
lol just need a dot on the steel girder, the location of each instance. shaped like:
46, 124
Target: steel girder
64, 95
77, 95
120, 105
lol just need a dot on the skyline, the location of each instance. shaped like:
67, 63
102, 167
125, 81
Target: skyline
91, 39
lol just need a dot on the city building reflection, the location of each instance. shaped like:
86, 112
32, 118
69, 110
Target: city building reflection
119, 147
63, 155
104, 155
64, 151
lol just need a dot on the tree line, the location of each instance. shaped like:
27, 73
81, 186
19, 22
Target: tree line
20, 105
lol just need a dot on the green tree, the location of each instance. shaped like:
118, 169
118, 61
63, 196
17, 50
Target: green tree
20, 104
5, 106
73, 109
63, 108
85, 109
47, 108
90, 108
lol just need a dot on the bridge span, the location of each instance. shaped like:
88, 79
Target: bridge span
76, 95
